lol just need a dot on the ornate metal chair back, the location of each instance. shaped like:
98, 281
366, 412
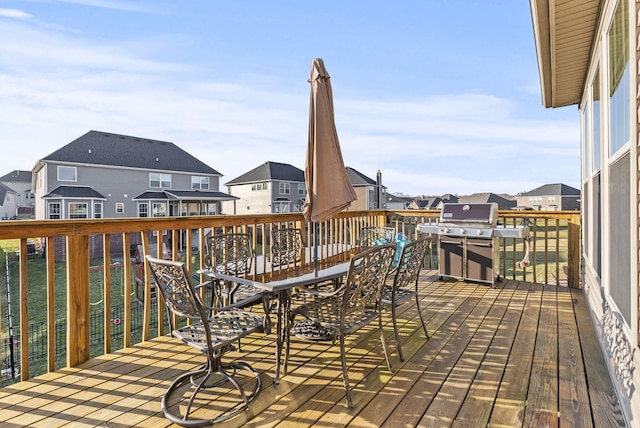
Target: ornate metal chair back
286, 246
173, 280
230, 253
366, 277
410, 262
372, 235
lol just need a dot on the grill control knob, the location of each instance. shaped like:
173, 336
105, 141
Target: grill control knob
447, 230
480, 232
463, 232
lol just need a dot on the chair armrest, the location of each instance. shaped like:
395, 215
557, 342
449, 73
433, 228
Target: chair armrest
318, 293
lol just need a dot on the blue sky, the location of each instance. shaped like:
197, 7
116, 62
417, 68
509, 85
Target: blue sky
440, 96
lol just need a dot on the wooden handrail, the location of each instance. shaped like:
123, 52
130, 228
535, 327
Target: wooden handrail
555, 247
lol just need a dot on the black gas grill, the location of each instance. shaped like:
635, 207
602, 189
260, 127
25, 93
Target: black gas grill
468, 247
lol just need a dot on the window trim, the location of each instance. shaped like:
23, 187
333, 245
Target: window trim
197, 182
69, 169
49, 206
284, 188
163, 180
72, 206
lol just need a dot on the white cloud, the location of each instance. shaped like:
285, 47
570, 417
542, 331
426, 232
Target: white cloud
15, 13
110, 4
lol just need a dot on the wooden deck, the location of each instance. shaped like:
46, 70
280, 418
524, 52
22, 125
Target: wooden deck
522, 354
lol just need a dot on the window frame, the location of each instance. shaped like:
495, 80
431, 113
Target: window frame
61, 175
284, 188
77, 210
50, 205
146, 209
156, 207
98, 209
198, 181
159, 180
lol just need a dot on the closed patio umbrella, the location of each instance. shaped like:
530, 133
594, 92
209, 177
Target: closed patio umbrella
329, 189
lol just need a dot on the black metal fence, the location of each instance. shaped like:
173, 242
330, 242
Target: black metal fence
10, 346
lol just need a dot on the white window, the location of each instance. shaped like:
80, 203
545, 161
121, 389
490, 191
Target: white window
67, 173
159, 209
201, 183
619, 79
143, 209
119, 207
595, 123
281, 206
259, 186
55, 212
212, 208
285, 188
160, 180
78, 210
302, 189
97, 210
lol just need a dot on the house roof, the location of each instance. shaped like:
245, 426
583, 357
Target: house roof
17, 176
485, 198
181, 195
427, 203
564, 32
553, 190
3, 193
102, 148
77, 192
359, 179
270, 171
200, 195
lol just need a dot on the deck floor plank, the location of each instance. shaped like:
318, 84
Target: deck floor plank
477, 405
522, 354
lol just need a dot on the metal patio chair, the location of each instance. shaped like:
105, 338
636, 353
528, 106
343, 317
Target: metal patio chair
287, 247
405, 283
356, 303
213, 335
232, 254
374, 235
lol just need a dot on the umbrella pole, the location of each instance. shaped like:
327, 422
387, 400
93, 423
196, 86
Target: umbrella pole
315, 245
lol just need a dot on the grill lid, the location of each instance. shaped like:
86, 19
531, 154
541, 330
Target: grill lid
485, 214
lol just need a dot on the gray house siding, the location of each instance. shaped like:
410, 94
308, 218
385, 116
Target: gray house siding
118, 185
118, 188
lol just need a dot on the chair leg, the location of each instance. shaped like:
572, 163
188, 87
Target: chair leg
214, 373
424, 325
345, 376
384, 343
395, 331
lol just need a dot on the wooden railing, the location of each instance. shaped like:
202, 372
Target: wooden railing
67, 261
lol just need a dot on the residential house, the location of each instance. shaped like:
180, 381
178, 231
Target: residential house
20, 182
269, 188
371, 194
395, 202
504, 202
105, 175
8, 203
588, 54
551, 197
426, 203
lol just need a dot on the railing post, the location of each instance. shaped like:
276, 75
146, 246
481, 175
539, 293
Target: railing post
573, 276
77, 299
24, 312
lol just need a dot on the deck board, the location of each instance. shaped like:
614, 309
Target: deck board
522, 354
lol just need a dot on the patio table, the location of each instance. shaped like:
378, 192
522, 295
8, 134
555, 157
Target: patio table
281, 282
